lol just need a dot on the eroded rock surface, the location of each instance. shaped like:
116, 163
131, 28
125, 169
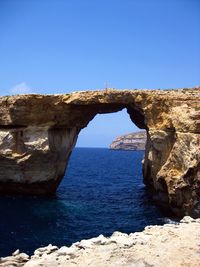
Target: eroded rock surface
38, 133
169, 245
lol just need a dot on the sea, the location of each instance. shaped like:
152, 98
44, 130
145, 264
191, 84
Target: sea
102, 192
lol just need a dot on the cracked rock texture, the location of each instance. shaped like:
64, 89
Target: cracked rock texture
157, 246
38, 133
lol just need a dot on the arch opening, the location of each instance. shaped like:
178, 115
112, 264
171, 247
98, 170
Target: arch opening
107, 185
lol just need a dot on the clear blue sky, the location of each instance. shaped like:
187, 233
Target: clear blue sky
60, 46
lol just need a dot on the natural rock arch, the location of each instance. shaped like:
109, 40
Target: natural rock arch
38, 133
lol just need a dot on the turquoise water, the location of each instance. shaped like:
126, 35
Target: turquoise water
102, 192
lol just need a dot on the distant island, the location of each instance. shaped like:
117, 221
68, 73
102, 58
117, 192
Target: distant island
131, 141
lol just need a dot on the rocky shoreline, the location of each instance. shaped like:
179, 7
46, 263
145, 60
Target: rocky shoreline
176, 244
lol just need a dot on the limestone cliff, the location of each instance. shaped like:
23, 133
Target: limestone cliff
38, 133
131, 141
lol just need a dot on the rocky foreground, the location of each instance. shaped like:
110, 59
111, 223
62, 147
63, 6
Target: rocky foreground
170, 245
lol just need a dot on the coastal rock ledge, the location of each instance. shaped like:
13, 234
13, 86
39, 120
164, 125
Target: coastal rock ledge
157, 246
38, 133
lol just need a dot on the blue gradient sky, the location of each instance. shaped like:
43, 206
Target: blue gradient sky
62, 46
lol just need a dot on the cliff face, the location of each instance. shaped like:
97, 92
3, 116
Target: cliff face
132, 141
38, 133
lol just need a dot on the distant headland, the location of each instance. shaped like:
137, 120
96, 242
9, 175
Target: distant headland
131, 141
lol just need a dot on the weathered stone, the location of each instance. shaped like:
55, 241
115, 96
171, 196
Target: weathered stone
48, 249
188, 219
17, 259
63, 251
38, 133
16, 252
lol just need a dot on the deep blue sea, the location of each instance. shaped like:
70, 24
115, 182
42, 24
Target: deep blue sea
102, 192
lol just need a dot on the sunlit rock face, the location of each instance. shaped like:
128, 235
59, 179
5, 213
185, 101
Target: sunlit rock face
31, 156
38, 133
